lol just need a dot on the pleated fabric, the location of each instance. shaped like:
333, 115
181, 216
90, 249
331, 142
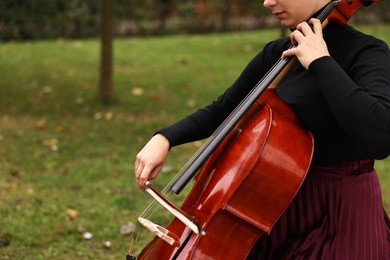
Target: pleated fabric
337, 214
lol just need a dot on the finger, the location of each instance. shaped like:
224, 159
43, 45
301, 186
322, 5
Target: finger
296, 37
305, 29
144, 177
288, 53
292, 39
317, 26
138, 168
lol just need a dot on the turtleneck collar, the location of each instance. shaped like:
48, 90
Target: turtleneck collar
316, 14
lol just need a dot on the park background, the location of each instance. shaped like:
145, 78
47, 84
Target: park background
85, 83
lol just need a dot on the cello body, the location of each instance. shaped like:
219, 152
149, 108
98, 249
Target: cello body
244, 187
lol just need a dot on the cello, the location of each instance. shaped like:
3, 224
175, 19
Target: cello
252, 173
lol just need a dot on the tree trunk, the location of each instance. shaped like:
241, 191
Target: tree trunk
106, 85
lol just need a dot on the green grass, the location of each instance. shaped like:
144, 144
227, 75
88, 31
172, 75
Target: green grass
61, 149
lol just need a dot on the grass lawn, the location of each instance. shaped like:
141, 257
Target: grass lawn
66, 160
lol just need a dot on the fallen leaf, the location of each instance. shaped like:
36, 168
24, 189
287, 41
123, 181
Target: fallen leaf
72, 214
137, 91
50, 142
108, 116
41, 123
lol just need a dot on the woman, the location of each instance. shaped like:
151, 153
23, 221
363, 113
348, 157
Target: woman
340, 91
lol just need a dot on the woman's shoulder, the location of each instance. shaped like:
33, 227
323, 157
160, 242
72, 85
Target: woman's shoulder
347, 45
361, 39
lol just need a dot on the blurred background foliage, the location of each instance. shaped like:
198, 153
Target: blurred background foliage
42, 19
66, 159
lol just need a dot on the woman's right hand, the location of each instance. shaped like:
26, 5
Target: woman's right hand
150, 159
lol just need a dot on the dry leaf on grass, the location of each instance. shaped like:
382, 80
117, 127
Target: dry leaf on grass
72, 214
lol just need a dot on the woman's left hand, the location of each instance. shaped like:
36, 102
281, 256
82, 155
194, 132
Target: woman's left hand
310, 43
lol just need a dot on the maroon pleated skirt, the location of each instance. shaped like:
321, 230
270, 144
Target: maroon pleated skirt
337, 214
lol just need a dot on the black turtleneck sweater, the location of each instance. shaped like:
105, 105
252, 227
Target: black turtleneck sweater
344, 99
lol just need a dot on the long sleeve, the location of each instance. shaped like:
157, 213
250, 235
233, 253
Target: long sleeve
360, 101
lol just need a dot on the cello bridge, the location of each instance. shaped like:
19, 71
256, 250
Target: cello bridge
160, 231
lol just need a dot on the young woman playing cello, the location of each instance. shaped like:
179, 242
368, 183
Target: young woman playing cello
340, 91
